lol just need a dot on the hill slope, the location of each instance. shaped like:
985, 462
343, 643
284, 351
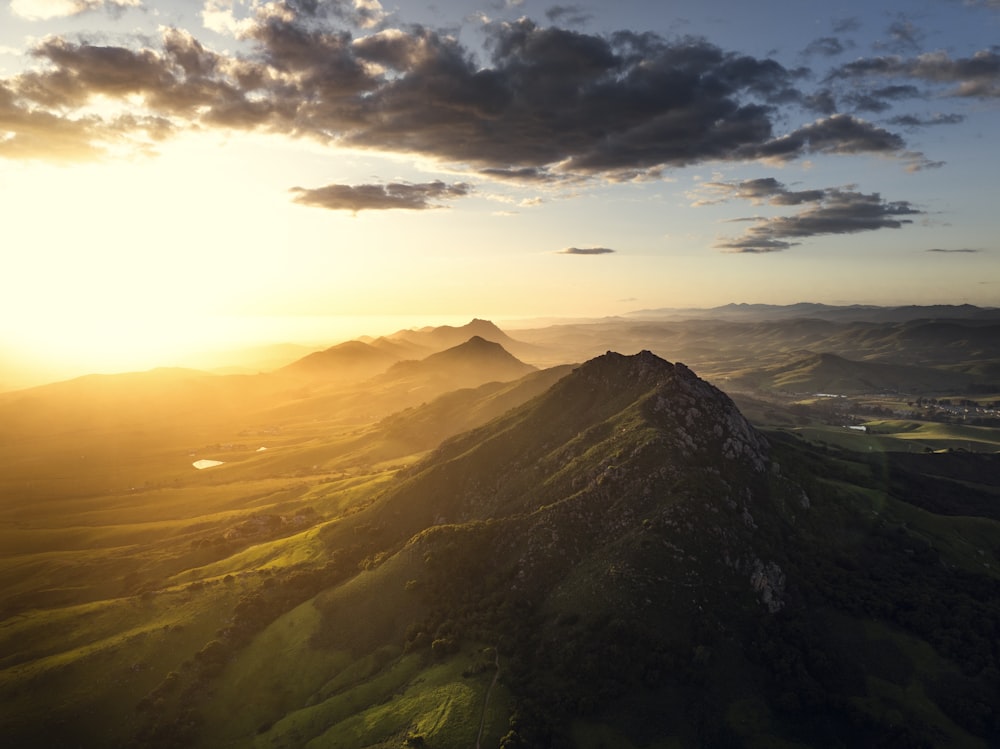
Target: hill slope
352, 360
466, 365
622, 560
809, 372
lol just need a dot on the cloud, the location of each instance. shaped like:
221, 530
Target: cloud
43, 10
571, 15
585, 251
827, 46
822, 102
527, 174
881, 99
36, 134
837, 134
546, 104
903, 36
977, 76
830, 211
403, 195
912, 120
963, 250
757, 191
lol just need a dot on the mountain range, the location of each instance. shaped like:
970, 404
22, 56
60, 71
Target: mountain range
461, 549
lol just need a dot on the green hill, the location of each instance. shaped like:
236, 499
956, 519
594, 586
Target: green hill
619, 559
808, 372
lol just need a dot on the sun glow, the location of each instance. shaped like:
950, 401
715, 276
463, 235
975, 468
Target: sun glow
126, 265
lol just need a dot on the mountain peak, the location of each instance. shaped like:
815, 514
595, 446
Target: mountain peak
672, 397
475, 347
472, 362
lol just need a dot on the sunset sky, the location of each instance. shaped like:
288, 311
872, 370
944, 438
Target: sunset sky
173, 174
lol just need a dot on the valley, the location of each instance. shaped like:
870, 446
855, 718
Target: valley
559, 536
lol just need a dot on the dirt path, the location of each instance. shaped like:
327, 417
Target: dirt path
486, 701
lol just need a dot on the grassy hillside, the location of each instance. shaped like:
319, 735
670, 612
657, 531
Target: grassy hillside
609, 556
807, 372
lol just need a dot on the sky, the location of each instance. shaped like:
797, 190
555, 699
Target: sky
176, 174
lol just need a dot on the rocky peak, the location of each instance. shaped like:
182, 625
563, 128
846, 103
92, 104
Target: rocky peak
693, 415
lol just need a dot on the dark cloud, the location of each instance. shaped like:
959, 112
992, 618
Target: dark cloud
837, 134
405, 195
763, 190
585, 251
821, 102
586, 103
938, 249
836, 211
546, 104
528, 174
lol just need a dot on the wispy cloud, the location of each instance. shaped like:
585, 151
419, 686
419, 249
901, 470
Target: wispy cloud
902, 36
977, 76
939, 118
961, 250
826, 46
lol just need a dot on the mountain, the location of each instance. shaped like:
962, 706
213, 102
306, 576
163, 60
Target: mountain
425, 427
468, 364
417, 344
720, 347
808, 372
650, 569
351, 360
618, 559
834, 313
447, 336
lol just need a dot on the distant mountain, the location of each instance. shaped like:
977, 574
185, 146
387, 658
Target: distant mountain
808, 372
352, 360
720, 347
419, 343
835, 313
447, 336
468, 364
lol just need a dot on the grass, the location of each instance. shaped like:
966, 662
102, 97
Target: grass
436, 702
939, 436
97, 514
905, 436
84, 669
